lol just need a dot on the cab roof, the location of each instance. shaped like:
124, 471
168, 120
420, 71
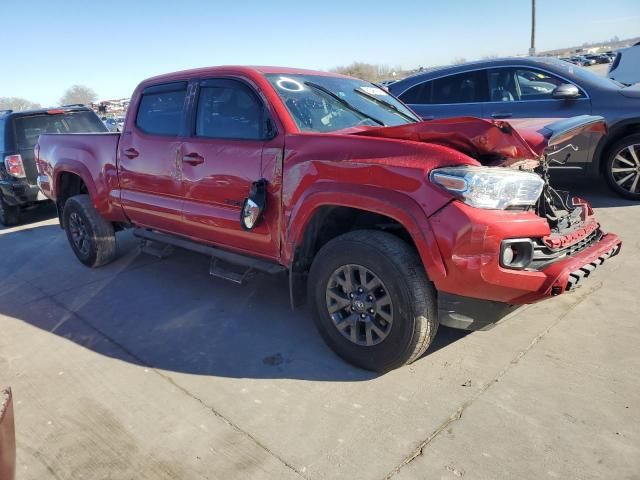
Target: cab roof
248, 70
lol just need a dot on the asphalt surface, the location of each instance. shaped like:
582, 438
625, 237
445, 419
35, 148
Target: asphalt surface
150, 369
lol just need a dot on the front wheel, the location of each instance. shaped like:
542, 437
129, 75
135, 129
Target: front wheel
622, 167
92, 239
371, 300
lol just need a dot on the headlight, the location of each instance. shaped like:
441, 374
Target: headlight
489, 187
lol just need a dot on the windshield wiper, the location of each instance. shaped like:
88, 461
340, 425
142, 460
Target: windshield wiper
343, 102
386, 104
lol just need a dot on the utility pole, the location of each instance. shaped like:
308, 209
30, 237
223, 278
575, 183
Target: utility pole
532, 50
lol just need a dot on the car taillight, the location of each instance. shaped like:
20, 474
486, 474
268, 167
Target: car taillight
14, 166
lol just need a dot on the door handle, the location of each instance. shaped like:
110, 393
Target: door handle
502, 115
193, 158
131, 153
428, 118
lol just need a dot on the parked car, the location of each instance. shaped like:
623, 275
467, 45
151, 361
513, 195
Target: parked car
626, 66
7, 437
502, 89
111, 124
598, 58
582, 61
18, 134
394, 225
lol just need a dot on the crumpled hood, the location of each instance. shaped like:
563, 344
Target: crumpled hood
472, 136
516, 140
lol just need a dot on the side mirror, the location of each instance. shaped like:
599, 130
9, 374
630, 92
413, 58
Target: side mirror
254, 205
565, 91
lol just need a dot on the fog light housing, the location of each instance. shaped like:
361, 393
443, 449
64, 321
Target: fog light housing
516, 253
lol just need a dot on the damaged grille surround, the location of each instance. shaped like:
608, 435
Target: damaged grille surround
543, 255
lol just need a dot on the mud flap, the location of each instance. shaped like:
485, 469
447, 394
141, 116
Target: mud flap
7, 437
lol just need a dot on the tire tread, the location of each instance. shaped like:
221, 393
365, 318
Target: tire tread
103, 232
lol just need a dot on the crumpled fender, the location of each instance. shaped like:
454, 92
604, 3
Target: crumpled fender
7, 437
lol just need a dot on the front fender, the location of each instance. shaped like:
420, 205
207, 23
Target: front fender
395, 205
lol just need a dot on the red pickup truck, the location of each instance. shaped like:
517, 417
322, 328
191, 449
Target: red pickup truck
393, 225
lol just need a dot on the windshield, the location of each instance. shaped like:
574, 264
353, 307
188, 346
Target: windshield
28, 128
321, 103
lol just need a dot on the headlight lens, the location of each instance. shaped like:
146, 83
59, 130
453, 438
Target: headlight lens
489, 187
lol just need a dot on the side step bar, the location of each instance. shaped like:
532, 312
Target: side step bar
224, 264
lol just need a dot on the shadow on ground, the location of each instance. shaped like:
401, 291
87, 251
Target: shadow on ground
170, 314
37, 213
167, 314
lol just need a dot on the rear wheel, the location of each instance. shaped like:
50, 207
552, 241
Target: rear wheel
92, 239
9, 214
371, 300
623, 167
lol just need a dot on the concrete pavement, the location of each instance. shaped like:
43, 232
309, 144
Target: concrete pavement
150, 369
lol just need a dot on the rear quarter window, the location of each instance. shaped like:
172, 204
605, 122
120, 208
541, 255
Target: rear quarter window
418, 94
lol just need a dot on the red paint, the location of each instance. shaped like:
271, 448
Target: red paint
7, 437
193, 187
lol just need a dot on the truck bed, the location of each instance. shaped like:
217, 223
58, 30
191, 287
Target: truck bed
91, 154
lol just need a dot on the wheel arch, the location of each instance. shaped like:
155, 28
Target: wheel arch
616, 132
324, 214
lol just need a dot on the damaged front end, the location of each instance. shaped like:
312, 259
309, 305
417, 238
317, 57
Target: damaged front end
513, 238
572, 224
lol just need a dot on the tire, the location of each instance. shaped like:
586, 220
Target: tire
412, 309
92, 239
9, 214
626, 180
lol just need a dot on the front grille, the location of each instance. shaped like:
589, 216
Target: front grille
544, 256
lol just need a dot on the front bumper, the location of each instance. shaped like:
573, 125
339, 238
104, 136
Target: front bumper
469, 242
20, 192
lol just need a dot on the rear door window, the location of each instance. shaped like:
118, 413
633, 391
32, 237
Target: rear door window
418, 94
468, 87
29, 127
161, 109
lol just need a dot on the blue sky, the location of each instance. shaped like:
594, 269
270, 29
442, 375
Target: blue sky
111, 45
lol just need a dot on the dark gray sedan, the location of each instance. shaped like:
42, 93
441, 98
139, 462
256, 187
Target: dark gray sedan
540, 88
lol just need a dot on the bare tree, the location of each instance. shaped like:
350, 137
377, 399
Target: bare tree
78, 94
17, 104
366, 71
458, 61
